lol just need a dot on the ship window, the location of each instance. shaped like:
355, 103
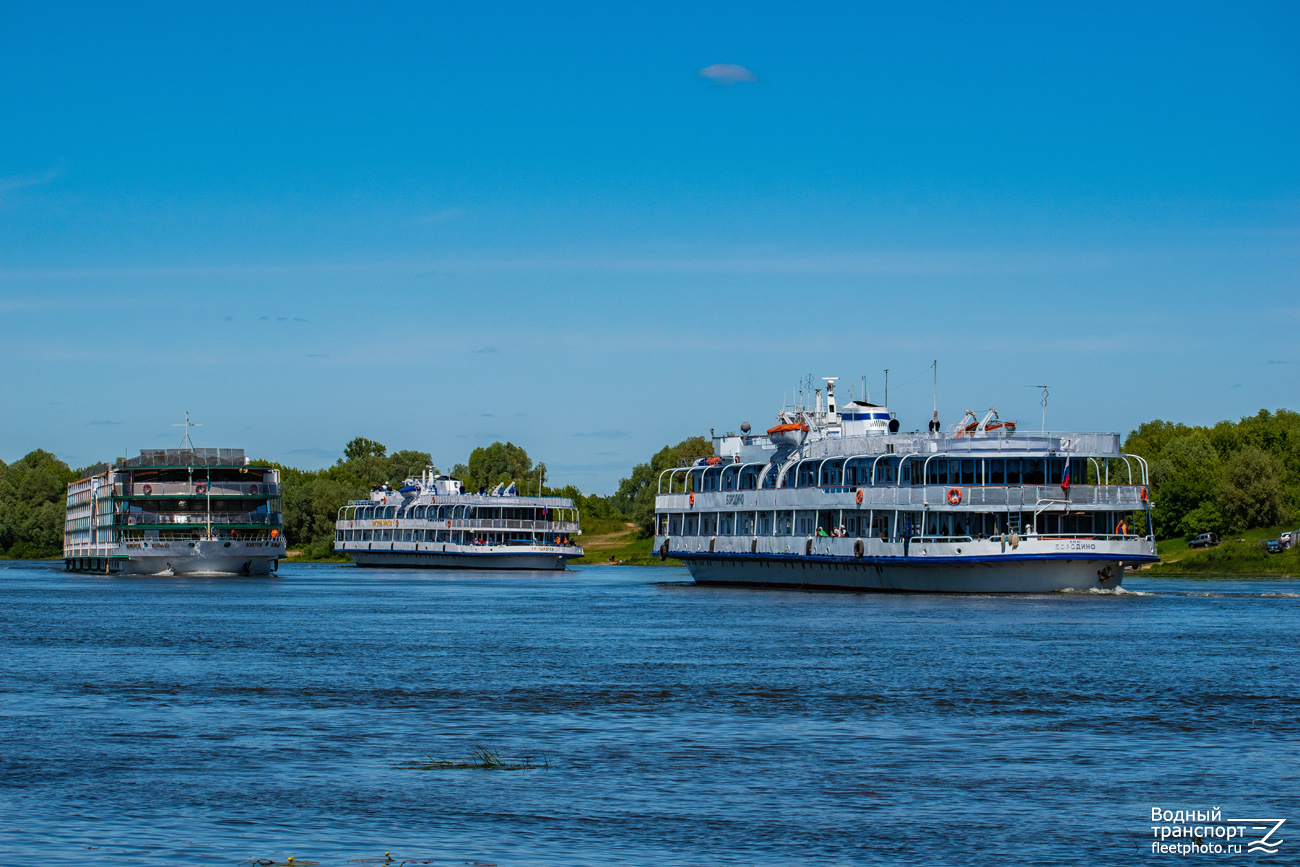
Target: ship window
390, 511
1013, 471
784, 523
709, 524
726, 523
997, 472
1054, 471
691, 526
1032, 472
764, 524
968, 472
805, 523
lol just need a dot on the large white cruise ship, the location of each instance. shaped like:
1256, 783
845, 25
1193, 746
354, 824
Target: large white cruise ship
431, 522
175, 512
840, 499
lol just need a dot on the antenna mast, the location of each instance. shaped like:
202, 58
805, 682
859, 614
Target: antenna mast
185, 440
1044, 388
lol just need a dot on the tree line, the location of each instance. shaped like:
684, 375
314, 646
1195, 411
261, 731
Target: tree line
1229, 477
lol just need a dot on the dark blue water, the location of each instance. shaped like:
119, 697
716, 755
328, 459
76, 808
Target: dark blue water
219, 721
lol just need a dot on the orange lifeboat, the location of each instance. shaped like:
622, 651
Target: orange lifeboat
790, 434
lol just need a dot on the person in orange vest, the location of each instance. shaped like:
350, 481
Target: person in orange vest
1121, 529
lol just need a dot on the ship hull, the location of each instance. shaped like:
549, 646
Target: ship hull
1018, 576
923, 566
180, 558
495, 560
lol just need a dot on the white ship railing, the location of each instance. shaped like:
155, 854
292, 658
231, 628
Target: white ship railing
187, 489
197, 519
1027, 497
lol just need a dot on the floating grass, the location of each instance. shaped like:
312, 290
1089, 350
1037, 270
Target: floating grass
481, 758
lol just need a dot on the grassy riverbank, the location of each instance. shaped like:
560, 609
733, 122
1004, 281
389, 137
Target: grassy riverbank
1242, 554
603, 538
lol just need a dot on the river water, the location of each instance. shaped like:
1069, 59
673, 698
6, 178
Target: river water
223, 721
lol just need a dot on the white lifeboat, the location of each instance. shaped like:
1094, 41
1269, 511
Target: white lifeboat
791, 434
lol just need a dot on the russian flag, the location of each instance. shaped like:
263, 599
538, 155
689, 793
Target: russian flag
1065, 477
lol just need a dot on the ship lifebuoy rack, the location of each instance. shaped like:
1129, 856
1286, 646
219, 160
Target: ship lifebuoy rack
954, 496
859, 497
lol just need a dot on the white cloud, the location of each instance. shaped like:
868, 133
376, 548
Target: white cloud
727, 74
14, 182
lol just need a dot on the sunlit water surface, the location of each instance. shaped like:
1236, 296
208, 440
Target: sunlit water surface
221, 720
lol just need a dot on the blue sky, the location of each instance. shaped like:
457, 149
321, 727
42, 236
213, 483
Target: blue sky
539, 222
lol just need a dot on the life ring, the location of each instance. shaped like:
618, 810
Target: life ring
148, 489
199, 488
692, 501
859, 496
1142, 494
252, 489
449, 523
954, 496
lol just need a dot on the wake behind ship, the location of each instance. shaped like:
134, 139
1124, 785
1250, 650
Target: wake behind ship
431, 522
175, 511
843, 500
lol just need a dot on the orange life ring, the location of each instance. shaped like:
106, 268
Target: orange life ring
449, 523
954, 496
199, 489
859, 497
148, 490
692, 499
252, 489
1142, 494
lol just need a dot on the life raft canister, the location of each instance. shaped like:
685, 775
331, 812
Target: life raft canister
859, 496
954, 496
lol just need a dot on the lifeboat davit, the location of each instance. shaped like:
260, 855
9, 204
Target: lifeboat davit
791, 434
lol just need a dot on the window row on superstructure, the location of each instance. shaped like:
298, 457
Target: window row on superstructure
890, 469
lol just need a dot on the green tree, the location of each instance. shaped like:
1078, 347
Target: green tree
1183, 479
367, 460
407, 464
1251, 493
635, 496
33, 494
497, 464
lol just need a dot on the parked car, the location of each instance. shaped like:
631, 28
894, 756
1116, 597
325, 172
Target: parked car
1205, 540
1273, 546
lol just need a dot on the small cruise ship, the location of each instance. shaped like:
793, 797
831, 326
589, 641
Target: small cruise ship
842, 499
175, 512
430, 522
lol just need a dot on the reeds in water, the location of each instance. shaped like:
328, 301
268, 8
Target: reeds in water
481, 758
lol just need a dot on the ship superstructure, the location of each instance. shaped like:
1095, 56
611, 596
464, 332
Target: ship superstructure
840, 498
431, 522
175, 511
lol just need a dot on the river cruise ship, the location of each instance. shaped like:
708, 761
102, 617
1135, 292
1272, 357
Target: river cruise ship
841, 499
430, 522
177, 512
